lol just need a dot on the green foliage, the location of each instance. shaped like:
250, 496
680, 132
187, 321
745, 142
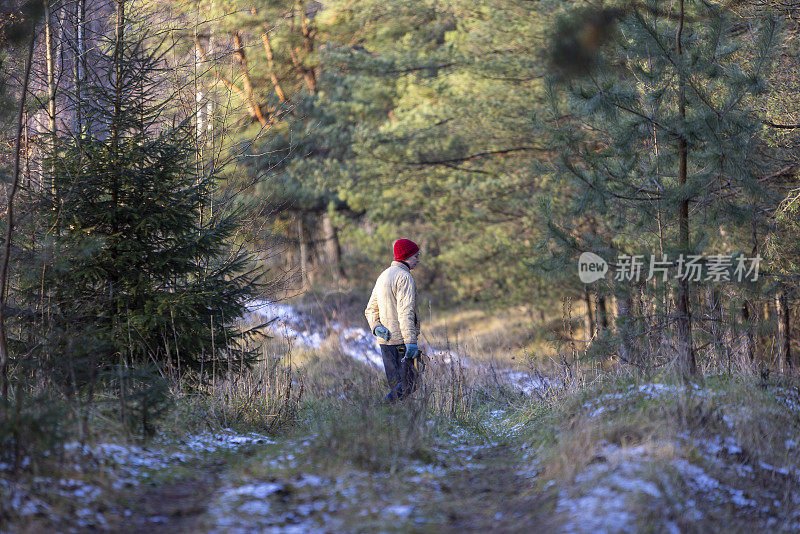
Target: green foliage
616, 120
132, 277
441, 97
39, 425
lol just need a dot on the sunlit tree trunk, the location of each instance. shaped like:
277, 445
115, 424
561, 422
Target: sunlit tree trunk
271, 66
252, 103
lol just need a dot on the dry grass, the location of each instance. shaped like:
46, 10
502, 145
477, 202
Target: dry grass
511, 336
606, 432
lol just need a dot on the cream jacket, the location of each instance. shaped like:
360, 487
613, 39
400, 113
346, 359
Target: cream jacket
393, 304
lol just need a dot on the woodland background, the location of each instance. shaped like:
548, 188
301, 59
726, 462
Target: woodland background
166, 163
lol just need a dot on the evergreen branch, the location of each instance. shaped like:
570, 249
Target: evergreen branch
459, 168
690, 79
782, 172
592, 186
421, 67
633, 111
607, 172
471, 157
781, 126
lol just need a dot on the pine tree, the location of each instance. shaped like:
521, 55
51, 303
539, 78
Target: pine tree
138, 275
659, 134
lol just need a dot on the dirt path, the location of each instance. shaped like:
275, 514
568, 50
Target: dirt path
472, 485
493, 493
175, 506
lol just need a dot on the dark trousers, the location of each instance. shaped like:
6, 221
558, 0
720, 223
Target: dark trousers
400, 374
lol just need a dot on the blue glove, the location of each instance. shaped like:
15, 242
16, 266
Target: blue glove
411, 351
382, 331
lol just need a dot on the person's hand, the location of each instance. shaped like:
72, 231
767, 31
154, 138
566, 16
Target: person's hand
411, 351
383, 332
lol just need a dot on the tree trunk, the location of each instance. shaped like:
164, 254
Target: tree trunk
717, 322
764, 331
308, 32
332, 247
602, 313
80, 58
302, 240
686, 360
225, 81
784, 329
10, 225
51, 82
198, 93
624, 325
49, 183
749, 340
254, 106
271, 66
588, 317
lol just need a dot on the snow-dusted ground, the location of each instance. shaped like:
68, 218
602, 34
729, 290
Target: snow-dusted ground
358, 343
654, 483
236, 506
654, 480
124, 465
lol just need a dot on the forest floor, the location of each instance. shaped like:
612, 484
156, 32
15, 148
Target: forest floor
515, 451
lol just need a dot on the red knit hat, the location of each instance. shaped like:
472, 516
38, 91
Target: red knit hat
404, 249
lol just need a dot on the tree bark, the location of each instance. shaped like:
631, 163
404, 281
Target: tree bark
225, 81
80, 58
332, 247
717, 328
624, 324
51, 82
308, 32
254, 106
198, 93
302, 240
10, 224
687, 365
588, 316
271, 66
764, 330
750, 341
602, 313
784, 328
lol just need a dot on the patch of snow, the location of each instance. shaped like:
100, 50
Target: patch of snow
402, 511
717, 445
226, 439
780, 470
124, 464
651, 390
309, 480
700, 481
255, 508
257, 491
289, 323
600, 502
361, 345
